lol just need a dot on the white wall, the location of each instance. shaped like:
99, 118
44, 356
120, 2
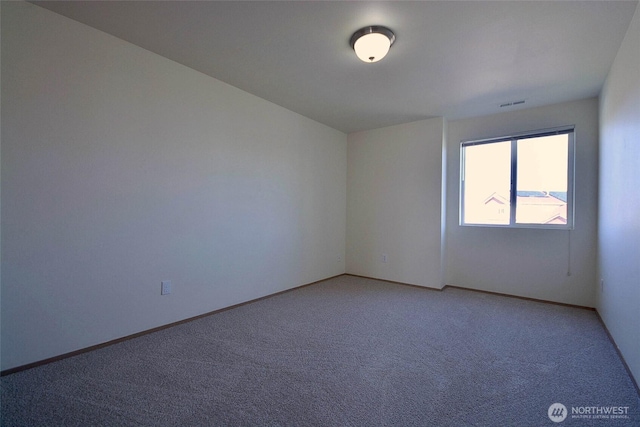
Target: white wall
121, 168
393, 203
619, 204
528, 262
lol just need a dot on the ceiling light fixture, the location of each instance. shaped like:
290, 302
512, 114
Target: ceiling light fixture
371, 44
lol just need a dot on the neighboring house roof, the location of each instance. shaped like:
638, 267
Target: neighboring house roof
548, 195
561, 195
556, 219
496, 198
531, 194
536, 207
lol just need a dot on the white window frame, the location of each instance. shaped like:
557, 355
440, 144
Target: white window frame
568, 130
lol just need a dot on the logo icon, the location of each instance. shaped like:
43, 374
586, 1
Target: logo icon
557, 412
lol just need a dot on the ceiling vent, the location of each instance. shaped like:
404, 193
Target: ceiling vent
512, 103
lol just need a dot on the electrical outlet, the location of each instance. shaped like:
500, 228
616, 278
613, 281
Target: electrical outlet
601, 285
339, 258
165, 288
384, 257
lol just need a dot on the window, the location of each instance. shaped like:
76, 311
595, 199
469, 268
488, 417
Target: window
523, 180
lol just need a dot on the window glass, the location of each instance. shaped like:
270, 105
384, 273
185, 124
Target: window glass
542, 180
520, 181
487, 181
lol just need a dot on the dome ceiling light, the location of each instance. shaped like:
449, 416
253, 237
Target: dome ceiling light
371, 44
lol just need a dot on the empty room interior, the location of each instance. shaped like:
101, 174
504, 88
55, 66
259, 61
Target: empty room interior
232, 213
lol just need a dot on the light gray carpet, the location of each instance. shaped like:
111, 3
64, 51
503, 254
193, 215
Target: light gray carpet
344, 352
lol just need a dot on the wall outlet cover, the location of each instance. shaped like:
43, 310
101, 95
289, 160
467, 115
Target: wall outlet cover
165, 288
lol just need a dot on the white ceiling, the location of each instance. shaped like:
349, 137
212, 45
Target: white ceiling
451, 58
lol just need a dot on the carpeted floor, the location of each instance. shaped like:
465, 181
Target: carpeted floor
344, 352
